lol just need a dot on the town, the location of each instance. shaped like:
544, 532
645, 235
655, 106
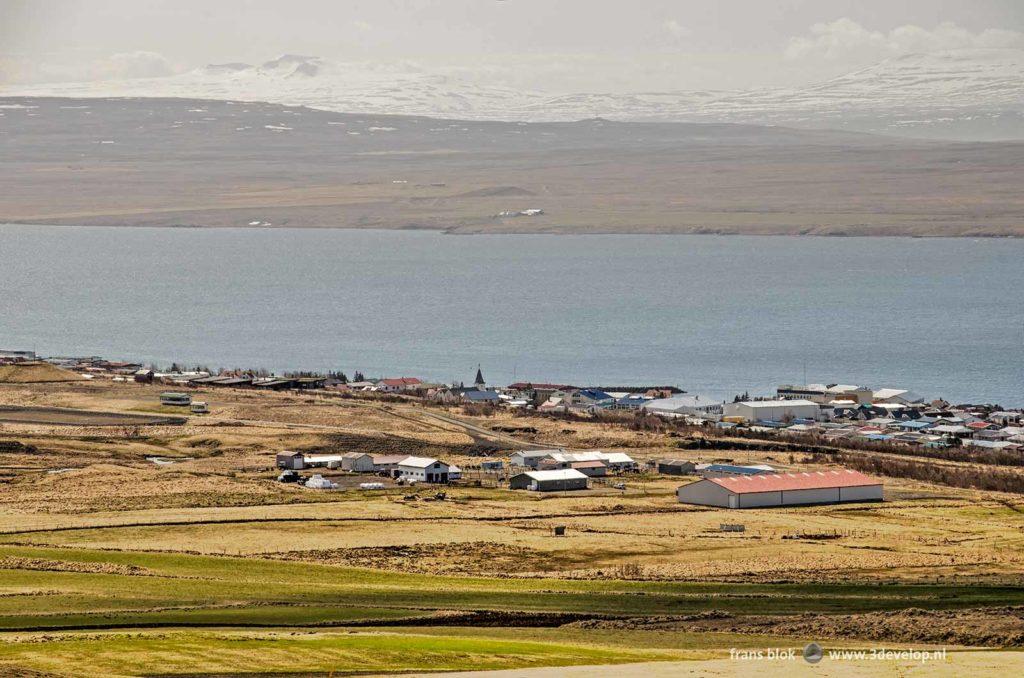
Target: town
841, 416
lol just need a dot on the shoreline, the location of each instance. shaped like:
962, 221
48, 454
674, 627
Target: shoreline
458, 231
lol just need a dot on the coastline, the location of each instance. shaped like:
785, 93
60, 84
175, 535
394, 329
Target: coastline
825, 232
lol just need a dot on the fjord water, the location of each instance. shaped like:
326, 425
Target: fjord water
715, 315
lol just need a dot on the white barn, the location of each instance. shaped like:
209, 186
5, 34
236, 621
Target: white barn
784, 489
423, 469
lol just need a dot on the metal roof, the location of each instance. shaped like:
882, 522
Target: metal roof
776, 403
812, 480
420, 462
561, 474
738, 470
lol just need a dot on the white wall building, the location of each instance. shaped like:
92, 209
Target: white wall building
772, 410
685, 405
423, 469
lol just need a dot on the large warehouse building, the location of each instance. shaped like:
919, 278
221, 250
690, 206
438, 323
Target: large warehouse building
549, 481
772, 410
786, 489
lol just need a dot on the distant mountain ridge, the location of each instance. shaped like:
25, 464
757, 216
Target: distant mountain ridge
975, 94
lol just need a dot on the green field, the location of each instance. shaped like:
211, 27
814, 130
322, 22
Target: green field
122, 589
129, 613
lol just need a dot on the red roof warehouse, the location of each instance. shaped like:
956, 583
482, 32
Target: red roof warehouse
785, 489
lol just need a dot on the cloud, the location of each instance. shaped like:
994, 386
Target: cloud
846, 40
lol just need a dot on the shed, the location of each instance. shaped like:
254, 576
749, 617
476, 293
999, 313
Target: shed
591, 469
676, 467
530, 458
788, 489
357, 462
549, 481
291, 460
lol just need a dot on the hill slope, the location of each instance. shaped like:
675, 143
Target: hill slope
173, 162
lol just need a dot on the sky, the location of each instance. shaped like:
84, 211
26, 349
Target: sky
547, 45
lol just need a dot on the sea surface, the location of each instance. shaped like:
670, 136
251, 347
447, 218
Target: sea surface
714, 315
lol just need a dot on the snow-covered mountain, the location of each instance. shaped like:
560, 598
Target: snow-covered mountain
959, 94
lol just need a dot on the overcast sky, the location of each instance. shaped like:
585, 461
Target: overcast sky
555, 45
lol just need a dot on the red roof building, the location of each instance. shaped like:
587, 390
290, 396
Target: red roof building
783, 489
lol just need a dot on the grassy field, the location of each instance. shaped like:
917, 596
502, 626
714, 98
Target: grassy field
111, 564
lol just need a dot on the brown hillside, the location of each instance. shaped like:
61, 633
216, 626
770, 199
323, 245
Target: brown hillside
32, 372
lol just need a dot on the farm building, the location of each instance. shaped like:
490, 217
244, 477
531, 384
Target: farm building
291, 460
591, 469
619, 461
492, 465
772, 410
324, 460
788, 489
357, 462
676, 467
423, 469
388, 463
726, 470
531, 458
549, 481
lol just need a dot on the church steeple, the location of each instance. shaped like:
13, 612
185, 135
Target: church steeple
479, 382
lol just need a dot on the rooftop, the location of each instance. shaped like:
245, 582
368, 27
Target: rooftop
795, 481
561, 474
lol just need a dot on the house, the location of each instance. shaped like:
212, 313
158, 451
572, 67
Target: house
685, 405
676, 467
398, 385
1005, 418
586, 397
291, 460
144, 376
789, 489
357, 462
531, 458
772, 410
475, 396
952, 430
591, 469
726, 470
423, 469
625, 401
549, 481
552, 404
